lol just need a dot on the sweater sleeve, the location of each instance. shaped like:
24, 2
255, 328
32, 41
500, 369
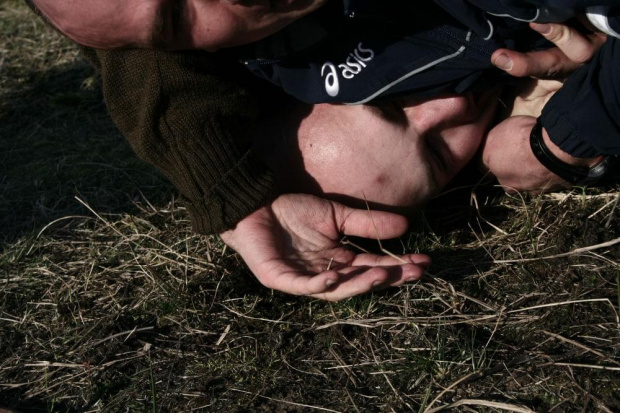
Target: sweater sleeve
187, 114
583, 117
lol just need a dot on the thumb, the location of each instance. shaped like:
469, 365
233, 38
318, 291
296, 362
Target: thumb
369, 224
550, 63
578, 47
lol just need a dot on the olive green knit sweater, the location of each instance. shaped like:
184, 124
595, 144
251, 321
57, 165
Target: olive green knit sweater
187, 113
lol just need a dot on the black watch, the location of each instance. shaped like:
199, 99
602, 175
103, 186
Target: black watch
576, 175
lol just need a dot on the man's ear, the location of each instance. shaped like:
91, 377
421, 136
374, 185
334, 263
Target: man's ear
276, 140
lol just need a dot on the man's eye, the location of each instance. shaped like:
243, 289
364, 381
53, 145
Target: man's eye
436, 154
270, 4
392, 111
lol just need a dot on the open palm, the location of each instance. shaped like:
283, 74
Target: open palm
293, 245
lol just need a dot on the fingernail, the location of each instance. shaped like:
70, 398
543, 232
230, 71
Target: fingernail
329, 283
377, 283
503, 62
542, 28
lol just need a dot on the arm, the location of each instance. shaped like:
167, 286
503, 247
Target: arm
581, 124
507, 153
589, 95
186, 113
583, 118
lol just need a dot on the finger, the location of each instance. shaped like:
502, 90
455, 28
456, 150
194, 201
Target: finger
355, 281
373, 260
292, 282
550, 63
578, 47
406, 272
361, 280
573, 49
369, 224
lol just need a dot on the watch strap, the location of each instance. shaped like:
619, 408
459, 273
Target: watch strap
576, 175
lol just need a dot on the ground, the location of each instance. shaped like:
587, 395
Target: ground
108, 301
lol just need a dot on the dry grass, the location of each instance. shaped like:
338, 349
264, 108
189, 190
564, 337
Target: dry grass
56, 139
108, 304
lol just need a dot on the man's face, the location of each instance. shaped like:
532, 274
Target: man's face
396, 154
172, 24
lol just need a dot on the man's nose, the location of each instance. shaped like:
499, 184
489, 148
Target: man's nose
437, 112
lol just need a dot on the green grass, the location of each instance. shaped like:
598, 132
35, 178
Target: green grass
118, 306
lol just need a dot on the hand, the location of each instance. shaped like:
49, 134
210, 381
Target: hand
533, 96
508, 155
292, 245
573, 50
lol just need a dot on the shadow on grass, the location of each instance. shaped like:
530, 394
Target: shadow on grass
14, 398
57, 142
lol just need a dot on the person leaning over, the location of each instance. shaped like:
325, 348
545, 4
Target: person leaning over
184, 112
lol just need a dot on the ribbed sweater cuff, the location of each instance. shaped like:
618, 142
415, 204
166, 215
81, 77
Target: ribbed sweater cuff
245, 188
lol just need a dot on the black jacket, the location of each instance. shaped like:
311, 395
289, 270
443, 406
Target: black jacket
583, 118
369, 50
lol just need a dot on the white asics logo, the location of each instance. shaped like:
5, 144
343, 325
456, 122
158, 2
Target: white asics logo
355, 63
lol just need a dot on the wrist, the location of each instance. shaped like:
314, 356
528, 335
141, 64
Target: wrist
573, 170
566, 157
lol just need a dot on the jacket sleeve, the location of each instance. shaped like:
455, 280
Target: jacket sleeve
605, 18
583, 117
186, 113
